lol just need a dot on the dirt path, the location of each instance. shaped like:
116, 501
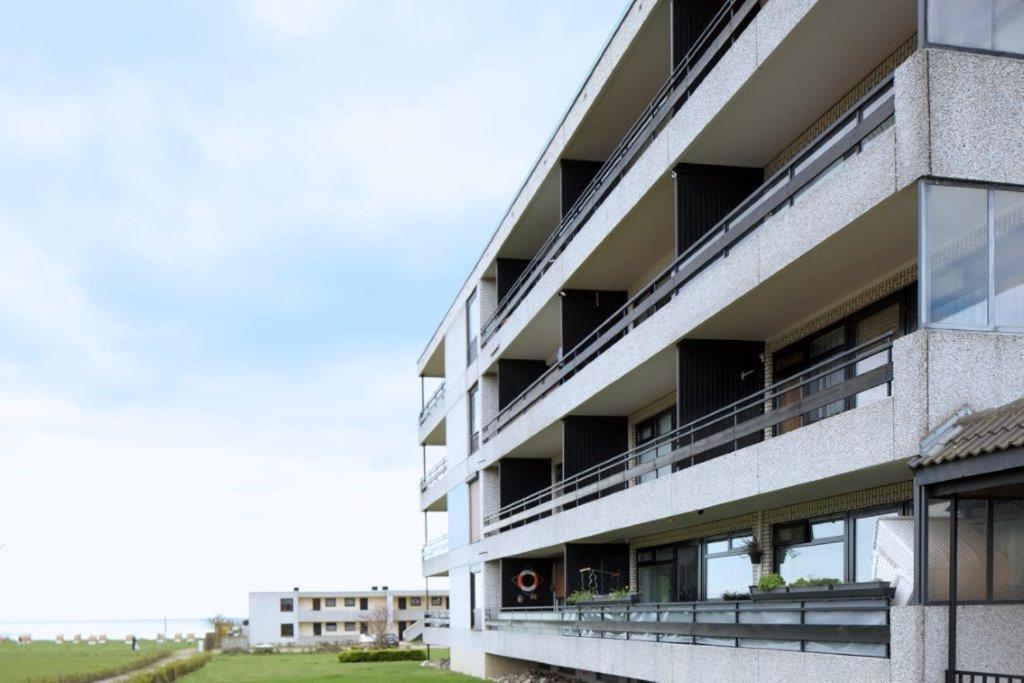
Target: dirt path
178, 654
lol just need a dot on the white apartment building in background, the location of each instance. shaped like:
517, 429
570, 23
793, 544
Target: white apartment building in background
305, 618
733, 391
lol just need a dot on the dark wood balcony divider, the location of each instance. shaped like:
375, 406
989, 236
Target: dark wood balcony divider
514, 376
508, 271
575, 176
688, 21
583, 310
590, 440
714, 373
705, 194
518, 573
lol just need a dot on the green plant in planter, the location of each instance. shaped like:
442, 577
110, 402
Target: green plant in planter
770, 582
621, 592
576, 597
813, 581
737, 595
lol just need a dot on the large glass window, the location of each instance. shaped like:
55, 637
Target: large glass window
1008, 550
973, 256
650, 430
727, 566
864, 529
472, 326
473, 401
811, 550
655, 574
977, 24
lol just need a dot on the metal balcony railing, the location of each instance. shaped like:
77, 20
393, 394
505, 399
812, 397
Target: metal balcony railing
433, 474
723, 29
842, 139
435, 547
982, 677
825, 388
436, 618
839, 623
435, 400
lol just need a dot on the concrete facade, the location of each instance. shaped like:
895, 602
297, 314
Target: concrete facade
840, 255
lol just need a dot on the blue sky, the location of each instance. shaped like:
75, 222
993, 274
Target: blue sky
226, 232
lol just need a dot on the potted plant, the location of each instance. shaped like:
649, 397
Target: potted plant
770, 582
754, 551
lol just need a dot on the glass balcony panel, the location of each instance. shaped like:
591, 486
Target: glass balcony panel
770, 644
859, 649
1009, 26
956, 227
1008, 307
965, 23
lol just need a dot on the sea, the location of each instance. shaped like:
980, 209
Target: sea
116, 629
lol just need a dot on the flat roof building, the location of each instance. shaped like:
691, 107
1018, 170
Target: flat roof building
699, 398
309, 617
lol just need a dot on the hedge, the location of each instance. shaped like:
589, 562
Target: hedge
172, 671
389, 655
140, 662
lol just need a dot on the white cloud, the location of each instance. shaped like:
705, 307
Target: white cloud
295, 18
45, 126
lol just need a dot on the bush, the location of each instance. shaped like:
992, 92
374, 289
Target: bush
173, 670
816, 582
769, 582
110, 672
392, 655
577, 597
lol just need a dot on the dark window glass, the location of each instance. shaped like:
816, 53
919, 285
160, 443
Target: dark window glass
1008, 550
287, 605
436, 600
416, 602
331, 602
821, 557
287, 630
350, 626
472, 326
655, 582
350, 602
650, 430
473, 401
332, 626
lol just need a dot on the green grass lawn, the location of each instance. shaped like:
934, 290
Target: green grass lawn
232, 668
19, 663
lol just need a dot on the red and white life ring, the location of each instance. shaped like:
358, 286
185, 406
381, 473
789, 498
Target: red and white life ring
528, 580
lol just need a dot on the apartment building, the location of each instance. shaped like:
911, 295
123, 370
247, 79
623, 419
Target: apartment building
305, 618
733, 390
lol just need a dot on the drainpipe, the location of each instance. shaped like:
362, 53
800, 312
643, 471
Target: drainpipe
426, 579
954, 512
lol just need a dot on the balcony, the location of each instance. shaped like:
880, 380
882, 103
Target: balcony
435, 400
851, 619
843, 139
723, 29
434, 474
866, 372
435, 547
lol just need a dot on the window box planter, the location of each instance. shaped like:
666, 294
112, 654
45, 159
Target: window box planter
862, 589
630, 599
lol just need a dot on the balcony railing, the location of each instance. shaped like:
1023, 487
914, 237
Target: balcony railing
720, 33
435, 400
436, 618
842, 139
982, 677
821, 390
435, 547
434, 473
839, 624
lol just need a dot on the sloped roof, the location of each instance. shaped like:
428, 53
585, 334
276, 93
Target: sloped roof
985, 431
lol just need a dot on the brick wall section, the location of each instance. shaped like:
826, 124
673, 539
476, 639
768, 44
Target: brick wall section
865, 297
490, 491
488, 296
488, 398
843, 105
761, 523
492, 585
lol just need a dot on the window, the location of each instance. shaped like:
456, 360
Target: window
651, 430
350, 602
656, 574
990, 541
350, 626
864, 529
330, 602
811, 550
401, 603
287, 605
363, 627
996, 25
472, 326
435, 600
331, 626
473, 400
973, 257
287, 630
416, 602
727, 566
364, 603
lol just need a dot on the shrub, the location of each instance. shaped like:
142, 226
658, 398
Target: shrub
621, 592
577, 597
172, 671
737, 595
392, 655
769, 582
812, 581
110, 672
